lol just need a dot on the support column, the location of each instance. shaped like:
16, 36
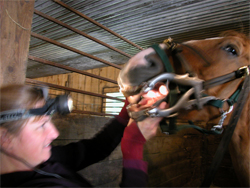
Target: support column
15, 27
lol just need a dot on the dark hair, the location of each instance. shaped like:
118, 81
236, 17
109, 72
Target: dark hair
18, 97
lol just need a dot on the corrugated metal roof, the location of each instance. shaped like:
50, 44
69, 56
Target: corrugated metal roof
143, 22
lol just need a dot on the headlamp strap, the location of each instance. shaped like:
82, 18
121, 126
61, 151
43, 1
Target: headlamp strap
48, 109
11, 115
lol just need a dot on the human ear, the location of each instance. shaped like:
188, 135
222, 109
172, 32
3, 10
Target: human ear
5, 139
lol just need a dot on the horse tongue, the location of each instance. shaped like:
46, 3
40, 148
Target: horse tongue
147, 102
143, 101
137, 107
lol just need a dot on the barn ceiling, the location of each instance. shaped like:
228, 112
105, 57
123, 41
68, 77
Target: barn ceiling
142, 22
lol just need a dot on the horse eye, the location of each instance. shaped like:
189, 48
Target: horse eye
231, 50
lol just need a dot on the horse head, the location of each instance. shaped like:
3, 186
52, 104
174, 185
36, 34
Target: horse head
194, 63
197, 73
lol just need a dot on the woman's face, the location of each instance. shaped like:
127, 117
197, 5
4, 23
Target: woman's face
33, 142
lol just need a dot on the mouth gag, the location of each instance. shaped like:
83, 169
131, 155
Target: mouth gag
184, 102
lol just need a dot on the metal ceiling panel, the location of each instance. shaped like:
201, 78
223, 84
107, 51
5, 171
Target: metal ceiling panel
143, 22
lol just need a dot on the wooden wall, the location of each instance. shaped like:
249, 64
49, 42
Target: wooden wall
182, 160
85, 83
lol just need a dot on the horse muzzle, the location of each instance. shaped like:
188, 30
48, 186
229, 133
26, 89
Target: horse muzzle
195, 88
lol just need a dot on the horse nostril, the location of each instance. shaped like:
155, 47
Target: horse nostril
153, 61
150, 63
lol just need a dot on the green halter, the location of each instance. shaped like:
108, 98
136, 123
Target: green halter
163, 57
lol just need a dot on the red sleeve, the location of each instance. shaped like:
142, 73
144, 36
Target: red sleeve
134, 168
123, 116
132, 142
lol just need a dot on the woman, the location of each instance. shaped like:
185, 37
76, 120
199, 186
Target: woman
29, 160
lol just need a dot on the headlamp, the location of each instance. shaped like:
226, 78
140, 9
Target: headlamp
62, 104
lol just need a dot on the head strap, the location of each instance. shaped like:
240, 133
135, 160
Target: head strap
161, 53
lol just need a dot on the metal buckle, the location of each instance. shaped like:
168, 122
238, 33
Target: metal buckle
169, 43
244, 71
219, 126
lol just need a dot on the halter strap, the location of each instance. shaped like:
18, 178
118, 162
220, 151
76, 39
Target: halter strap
241, 72
161, 53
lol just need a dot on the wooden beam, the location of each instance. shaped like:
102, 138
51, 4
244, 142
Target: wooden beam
16, 18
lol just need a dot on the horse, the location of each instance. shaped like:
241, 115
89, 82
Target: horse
198, 65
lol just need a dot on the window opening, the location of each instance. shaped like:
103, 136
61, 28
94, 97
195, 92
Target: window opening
114, 106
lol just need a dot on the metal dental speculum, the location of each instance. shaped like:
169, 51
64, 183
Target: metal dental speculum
184, 102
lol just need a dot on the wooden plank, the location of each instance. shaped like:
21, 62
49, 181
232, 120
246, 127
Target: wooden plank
16, 18
102, 85
50, 80
87, 98
76, 85
74, 79
178, 181
110, 74
81, 87
95, 89
62, 80
170, 172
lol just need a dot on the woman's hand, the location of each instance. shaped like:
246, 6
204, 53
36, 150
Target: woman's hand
148, 126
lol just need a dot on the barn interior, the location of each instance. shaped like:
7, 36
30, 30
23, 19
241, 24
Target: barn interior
79, 46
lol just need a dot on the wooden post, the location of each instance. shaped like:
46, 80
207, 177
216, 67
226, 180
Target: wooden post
15, 27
